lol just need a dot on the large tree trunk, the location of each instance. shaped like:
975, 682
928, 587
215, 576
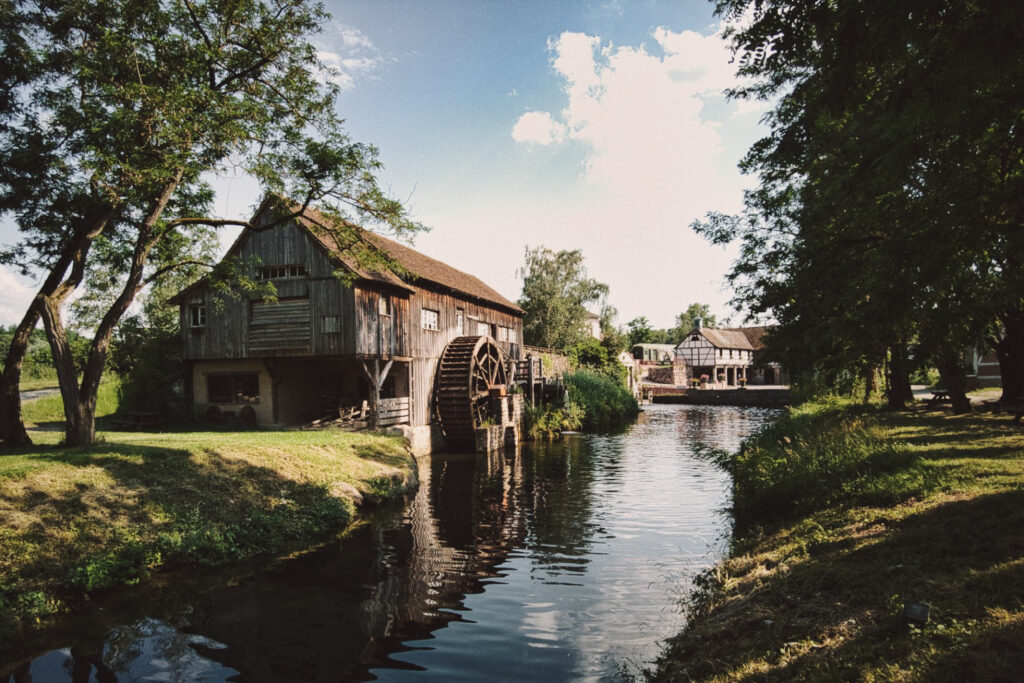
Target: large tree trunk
80, 401
870, 382
898, 390
12, 428
73, 255
1010, 352
951, 371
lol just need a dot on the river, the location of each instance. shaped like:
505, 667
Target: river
563, 561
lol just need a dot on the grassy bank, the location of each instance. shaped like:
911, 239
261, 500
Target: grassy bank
844, 514
77, 521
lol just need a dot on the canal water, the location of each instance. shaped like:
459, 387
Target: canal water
562, 561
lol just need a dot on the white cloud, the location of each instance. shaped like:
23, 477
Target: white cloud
537, 127
346, 55
17, 296
661, 146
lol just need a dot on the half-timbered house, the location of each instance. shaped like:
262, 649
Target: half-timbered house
328, 340
729, 357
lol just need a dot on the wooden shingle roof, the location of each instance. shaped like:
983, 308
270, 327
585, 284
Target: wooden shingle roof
420, 268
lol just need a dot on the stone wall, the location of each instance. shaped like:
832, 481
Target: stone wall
675, 374
768, 398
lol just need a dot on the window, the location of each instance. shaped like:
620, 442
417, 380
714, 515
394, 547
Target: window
482, 328
460, 322
695, 337
384, 305
240, 388
281, 272
502, 334
198, 315
730, 353
512, 336
428, 319
330, 323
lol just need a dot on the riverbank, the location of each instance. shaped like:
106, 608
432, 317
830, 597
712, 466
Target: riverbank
74, 521
844, 515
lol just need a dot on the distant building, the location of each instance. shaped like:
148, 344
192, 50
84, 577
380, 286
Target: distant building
654, 353
592, 323
729, 357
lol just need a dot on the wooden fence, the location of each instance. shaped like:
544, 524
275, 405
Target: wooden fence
393, 411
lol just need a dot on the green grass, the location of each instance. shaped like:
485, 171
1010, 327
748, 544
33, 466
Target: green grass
48, 411
74, 521
919, 506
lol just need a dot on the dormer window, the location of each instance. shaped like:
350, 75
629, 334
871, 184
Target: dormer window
282, 272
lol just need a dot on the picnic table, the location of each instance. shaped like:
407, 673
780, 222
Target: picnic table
938, 396
138, 419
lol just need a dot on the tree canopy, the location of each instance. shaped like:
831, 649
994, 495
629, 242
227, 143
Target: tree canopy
556, 294
887, 213
115, 114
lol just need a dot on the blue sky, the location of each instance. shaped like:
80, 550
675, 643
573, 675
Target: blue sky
592, 125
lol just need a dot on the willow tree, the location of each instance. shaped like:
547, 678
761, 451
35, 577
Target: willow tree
121, 110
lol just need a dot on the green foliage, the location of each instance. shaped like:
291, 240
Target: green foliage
556, 291
148, 361
605, 402
595, 355
811, 457
887, 211
548, 422
687, 320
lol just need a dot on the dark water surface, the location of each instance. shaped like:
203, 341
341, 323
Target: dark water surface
559, 562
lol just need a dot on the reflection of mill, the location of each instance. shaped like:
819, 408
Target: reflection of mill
457, 541
338, 613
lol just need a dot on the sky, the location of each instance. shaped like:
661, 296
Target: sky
599, 126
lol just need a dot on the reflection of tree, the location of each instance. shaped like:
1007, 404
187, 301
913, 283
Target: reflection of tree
340, 612
558, 497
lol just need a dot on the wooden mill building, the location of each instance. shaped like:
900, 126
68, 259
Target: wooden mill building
339, 334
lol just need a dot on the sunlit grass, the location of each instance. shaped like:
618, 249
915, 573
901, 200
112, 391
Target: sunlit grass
76, 520
815, 590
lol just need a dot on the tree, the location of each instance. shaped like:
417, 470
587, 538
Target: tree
687, 321
886, 210
556, 292
121, 110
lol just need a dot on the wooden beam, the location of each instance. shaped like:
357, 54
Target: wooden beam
384, 373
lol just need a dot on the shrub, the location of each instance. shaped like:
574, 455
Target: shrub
605, 402
810, 457
547, 422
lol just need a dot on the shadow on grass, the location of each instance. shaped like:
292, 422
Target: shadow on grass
79, 532
964, 558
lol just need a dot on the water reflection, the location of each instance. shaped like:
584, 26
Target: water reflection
561, 561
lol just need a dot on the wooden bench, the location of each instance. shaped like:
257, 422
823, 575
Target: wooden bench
938, 396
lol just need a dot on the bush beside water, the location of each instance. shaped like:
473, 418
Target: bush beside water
809, 457
605, 402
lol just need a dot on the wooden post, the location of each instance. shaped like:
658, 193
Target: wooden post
376, 378
272, 367
529, 378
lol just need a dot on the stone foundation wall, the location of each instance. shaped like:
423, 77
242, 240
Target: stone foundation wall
768, 398
676, 374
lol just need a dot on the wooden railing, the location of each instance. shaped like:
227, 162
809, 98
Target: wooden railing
393, 411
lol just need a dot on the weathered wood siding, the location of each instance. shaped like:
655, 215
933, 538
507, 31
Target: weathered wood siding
376, 334
314, 314
428, 345
317, 315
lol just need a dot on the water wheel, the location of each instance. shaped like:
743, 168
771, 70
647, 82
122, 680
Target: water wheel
469, 367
